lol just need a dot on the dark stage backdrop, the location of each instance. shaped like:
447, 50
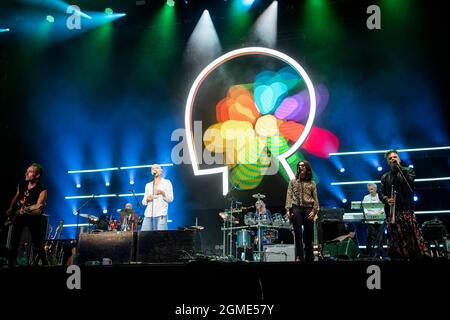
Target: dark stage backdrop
115, 96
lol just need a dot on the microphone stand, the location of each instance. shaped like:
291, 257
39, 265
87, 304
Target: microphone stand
153, 203
231, 220
139, 208
77, 212
133, 224
403, 175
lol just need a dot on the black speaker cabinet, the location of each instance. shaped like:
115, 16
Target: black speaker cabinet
117, 246
165, 246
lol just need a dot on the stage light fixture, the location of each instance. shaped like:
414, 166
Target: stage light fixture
131, 182
109, 11
4, 30
342, 170
50, 19
78, 185
416, 198
344, 200
107, 184
105, 210
170, 3
380, 168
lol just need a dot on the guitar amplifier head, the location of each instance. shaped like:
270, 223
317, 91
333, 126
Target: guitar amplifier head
331, 214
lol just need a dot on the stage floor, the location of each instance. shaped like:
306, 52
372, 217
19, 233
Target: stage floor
168, 288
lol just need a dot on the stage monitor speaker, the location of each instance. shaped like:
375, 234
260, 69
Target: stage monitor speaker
165, 246
117, 246
331, 214
344, 249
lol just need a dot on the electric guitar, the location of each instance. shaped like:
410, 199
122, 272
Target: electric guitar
23, 207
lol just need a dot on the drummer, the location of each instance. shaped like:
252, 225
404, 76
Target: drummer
128, 218
262, 213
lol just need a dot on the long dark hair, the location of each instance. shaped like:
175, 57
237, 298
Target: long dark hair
308, 172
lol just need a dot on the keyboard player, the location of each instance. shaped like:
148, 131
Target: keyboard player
374, 218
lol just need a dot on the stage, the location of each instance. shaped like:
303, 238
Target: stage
289, 287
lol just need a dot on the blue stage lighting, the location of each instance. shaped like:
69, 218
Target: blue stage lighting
344, 200
131, 182
4, 30
380, 168
170, 3
342, 169
105, 210
107, 184
247, 2
411, 166
416, 198
78, 185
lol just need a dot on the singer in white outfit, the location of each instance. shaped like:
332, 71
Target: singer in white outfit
158, 195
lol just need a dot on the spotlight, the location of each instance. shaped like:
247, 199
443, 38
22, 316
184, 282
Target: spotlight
4, 30
50, 19
170, 3
416, 198
105, 210
411, 166
78, 185
342, 169
344, 200
131, 181
107, 184
380, 168
109, 11
247, 2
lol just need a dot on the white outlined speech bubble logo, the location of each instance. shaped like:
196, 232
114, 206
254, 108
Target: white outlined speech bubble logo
213, 66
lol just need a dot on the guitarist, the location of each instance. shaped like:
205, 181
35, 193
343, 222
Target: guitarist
26, 210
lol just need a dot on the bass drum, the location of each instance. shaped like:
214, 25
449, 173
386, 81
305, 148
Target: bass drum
244, 239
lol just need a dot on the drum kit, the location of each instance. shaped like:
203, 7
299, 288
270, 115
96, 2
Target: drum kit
105, 223
257, 229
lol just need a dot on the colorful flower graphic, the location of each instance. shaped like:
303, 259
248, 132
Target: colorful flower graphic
257, 122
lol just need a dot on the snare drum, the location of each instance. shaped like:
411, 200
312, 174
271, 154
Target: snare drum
243, 239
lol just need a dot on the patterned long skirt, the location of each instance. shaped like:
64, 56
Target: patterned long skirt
404, 237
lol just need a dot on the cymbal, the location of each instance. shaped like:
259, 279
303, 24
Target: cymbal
228, 217
89, 216
197, 227
258, 196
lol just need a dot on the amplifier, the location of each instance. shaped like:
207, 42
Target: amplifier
331, 214
166, 246
279, 253
117, 246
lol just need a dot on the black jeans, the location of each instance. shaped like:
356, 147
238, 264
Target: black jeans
303, 237
34, 224
375, 233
